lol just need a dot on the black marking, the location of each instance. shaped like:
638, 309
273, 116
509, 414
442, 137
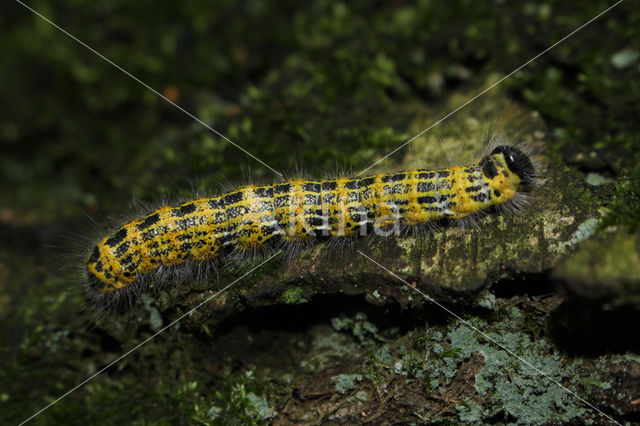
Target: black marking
330, 185
117, 238
282, 201
150, 234
445, 184
122, 249
426, 200
353, 197
479, 197
95, 255
150, 220
401, 189
426, 175
282, 188
443, 173
394, 178
219, 217
185, 236
366, 182
127, 260
312, 200
264, 192
496, 193
184, 210
488, 167
184, 224
425, 187
473, 188
311, 187
216, 203
365, 193
352, 184
233, 198
186, 246
95, 283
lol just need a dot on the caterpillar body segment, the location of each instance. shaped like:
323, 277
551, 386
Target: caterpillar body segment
250, 217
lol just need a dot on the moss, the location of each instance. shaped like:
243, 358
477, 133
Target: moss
625, 204
293, 295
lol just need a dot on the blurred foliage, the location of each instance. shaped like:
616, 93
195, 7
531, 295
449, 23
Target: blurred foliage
322, 86
624, 208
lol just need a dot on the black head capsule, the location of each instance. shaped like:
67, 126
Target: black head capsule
518, 162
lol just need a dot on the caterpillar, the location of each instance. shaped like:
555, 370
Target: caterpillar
298, 210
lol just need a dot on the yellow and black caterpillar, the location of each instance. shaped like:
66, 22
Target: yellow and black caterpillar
300, 210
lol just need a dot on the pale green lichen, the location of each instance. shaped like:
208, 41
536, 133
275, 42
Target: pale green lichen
624, 58
365, 331
362, 396
522, 391
596, 179
155, 318
470, 412
383, 355
486, 299
346, 382
585, 230
259, 407
214, 412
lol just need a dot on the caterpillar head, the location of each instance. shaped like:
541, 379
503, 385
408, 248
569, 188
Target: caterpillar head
512, 159
518, 162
